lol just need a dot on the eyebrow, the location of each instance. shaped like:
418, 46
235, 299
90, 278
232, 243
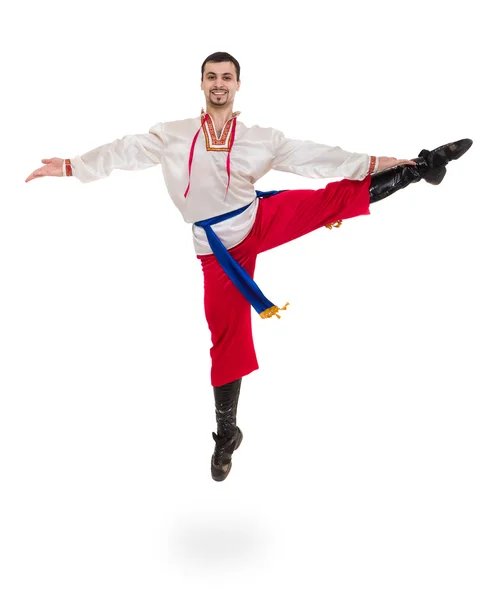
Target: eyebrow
211, 73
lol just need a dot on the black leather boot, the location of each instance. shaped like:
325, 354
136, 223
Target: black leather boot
438, 159
430, 166
229, 436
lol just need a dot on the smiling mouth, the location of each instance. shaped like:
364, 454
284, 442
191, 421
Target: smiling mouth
219, 94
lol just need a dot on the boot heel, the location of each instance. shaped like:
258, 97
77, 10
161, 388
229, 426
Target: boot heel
240, 439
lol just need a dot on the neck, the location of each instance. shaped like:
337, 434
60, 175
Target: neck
219, 114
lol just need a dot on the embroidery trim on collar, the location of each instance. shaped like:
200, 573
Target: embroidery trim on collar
213, 143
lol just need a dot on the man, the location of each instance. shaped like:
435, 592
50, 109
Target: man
210, 164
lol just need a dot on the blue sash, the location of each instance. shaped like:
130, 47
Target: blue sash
241, 279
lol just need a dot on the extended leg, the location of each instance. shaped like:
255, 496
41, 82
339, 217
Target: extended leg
294, 213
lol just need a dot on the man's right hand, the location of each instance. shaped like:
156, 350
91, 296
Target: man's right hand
52, 168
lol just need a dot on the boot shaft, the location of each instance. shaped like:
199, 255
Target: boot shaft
387, 182
226, 406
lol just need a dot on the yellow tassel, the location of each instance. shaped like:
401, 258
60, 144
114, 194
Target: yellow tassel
272, 310
335, 224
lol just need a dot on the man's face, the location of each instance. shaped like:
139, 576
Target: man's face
219, 83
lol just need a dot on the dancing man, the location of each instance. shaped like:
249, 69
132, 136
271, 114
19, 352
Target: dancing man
210, 165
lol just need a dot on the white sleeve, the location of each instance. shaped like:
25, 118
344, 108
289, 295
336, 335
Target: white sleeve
309, 159
130, 153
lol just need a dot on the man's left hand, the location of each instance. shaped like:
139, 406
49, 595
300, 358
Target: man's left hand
387, 162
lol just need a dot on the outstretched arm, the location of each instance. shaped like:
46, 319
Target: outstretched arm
309, 159
131, 153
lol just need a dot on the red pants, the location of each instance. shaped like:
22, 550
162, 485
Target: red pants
279, 219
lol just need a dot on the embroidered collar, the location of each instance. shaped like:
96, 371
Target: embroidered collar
223, 144
214, 143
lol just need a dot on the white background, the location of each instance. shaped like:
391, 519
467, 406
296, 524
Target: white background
357, 477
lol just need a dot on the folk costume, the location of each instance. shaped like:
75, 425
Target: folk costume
211, 178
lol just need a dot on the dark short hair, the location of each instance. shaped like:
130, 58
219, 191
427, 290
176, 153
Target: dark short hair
221, 57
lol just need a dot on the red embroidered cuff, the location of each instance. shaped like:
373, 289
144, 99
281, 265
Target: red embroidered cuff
372, 165
68, 167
